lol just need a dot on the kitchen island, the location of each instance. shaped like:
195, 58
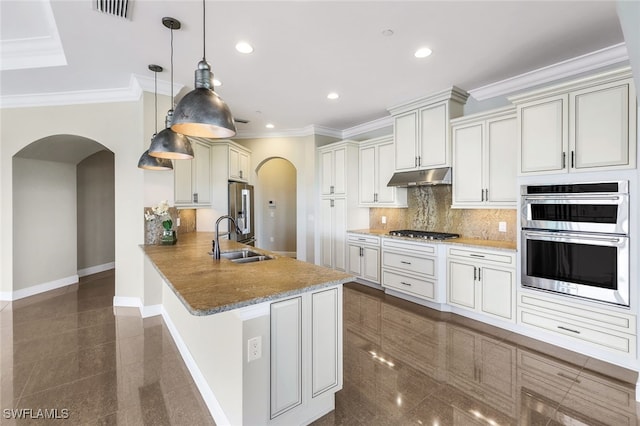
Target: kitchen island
263, 340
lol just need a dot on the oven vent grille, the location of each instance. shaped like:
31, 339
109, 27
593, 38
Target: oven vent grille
120, 8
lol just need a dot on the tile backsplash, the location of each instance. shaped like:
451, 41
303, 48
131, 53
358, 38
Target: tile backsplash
429, 208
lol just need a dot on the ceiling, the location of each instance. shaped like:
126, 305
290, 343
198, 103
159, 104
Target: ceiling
302, 50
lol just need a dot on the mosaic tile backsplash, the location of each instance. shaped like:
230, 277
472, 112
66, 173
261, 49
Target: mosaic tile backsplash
430, 210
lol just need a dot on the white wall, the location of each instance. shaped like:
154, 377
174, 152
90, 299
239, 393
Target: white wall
44, 229
119, 127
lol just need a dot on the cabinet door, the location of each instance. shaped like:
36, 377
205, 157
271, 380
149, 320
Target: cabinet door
286, 355
325, 323
467, 165
243, 166
183, 181
340, 171
500, 153
543, 135
202, 165
354, 260
234, 164
462, 284
433, 151
384, 164
326, 233
497, 291
326, 172
405, 129
368, 182
600, 127
339, 233
371, 264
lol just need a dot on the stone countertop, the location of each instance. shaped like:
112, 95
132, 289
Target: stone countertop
468, 242
207, 286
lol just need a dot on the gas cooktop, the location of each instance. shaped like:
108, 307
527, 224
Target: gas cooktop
423, 235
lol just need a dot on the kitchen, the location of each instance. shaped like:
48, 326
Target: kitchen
129, 184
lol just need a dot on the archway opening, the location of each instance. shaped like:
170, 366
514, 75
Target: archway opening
276, 212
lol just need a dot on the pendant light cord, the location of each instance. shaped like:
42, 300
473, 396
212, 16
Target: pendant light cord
171, 62
155, 98
204, 29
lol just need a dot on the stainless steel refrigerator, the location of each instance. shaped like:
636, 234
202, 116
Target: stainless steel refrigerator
241, 209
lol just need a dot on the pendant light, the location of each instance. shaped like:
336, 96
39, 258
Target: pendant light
146, 161
202, 112
167, 143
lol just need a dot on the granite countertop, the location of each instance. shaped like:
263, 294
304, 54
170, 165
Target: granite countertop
207, 286
469, 242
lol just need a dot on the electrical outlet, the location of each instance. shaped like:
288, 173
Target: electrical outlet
384, 219
178, 221
502, 226
254, 348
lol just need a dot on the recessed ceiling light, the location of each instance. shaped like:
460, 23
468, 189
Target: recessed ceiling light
217, 82
333, 95
423, 52
269, 126
244, 47
387, 33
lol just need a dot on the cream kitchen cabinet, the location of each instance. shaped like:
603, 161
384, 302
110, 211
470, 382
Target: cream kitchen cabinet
193, 178
421, 130
338, 204
376, 169
588, 124
239, 163
483, 367
363, 253
482, 281
484, 154
305, 351
410, 267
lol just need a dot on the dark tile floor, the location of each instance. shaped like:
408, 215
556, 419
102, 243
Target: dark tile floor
403, 365
409, 365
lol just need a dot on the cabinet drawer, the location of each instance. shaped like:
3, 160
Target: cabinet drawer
419, 265
417, 287
622, 344
363, 239
624, 323
484, 256
416, 248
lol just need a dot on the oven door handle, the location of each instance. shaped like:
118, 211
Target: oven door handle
572, 198
572, 236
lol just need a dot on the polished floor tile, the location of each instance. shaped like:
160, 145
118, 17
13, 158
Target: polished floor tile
404, 364
70, 350
409, 365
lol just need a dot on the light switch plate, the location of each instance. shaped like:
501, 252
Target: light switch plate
502, 226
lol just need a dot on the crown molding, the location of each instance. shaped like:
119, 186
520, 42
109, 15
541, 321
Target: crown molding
571, 67
377, 124
164, 87
291, 133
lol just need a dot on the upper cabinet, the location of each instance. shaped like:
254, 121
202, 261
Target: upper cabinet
333, 165
376, 168
484, 150
192, 178
582, 125
239, 161
422, 132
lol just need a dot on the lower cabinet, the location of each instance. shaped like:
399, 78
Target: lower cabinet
306, 349
484, 367
363, 257
410, 268
482, 281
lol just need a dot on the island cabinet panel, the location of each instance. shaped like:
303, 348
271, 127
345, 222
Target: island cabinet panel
286, 355
324, 341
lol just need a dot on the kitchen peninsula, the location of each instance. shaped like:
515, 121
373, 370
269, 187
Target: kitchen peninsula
263, 339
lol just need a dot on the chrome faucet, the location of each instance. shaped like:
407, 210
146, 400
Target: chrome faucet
216, 241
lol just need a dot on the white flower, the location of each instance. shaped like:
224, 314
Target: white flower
159, 211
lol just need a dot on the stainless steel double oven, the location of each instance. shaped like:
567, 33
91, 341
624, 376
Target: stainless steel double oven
575, 240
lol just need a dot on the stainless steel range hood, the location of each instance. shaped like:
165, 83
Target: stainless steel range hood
440, 176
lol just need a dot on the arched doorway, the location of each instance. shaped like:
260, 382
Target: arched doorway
63, 209
275, 199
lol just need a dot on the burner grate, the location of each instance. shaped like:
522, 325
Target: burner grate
424, 235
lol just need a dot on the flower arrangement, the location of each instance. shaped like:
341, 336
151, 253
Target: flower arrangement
161, 211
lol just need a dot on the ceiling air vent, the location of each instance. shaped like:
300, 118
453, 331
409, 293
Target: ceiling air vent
121, 8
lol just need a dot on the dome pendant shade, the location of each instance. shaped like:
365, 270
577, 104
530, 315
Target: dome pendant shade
148, 162
202, 112
171, 145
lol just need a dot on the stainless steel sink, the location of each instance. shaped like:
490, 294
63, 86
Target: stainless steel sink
244, 256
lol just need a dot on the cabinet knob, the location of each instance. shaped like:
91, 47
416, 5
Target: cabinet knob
240, 172
195, 197
564, 160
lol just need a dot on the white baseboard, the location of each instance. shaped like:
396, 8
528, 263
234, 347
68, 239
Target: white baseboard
38, 288
151, 311
95, 269
207, 394
127, 302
